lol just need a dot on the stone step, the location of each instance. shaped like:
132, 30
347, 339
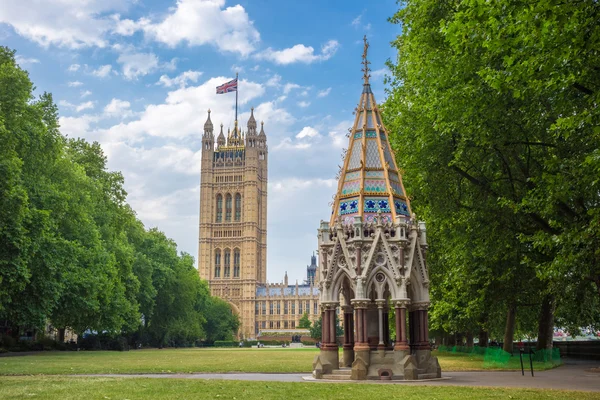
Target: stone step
342, 371
337, 377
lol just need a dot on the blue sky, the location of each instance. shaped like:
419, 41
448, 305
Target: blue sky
138, 76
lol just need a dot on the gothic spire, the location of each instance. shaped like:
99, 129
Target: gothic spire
221, 138
252, 123
370, 184
208, 125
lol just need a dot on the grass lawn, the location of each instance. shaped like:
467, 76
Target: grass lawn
198, 360
65, 388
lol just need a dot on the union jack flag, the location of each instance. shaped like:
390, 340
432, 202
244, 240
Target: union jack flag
230, 86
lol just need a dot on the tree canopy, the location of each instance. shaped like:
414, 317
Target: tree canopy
493, 108
72, 252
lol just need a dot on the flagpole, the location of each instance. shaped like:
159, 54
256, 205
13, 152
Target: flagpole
236, 95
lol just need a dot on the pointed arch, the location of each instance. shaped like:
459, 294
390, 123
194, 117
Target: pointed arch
219, 216
236, 263
227, 263
218, 264
380, 286
238, 207
228, 207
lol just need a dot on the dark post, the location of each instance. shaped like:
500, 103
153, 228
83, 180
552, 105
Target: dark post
531, 360
521, 350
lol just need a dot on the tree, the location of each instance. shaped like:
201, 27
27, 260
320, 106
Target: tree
304, 322
72, 252
494, 117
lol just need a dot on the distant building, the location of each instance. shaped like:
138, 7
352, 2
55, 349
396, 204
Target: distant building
232, 253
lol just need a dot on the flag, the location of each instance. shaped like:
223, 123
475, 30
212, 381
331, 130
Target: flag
230, 86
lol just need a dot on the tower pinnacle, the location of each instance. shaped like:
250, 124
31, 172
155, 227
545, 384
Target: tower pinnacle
365, 62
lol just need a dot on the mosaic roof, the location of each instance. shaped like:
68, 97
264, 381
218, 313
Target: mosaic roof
370, 182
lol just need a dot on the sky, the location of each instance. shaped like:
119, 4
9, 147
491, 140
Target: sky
138, 77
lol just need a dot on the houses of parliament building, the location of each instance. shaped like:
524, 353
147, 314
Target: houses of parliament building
232, 255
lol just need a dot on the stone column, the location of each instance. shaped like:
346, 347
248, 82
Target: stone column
361, 340
329, 348
348, 346
381, 343
421, 326
400, 314
328, 327
324, 332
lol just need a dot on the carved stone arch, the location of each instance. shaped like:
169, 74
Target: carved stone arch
341, 276
389, 279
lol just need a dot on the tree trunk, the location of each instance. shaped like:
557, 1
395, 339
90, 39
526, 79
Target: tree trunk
469, 339
546, 323
61, 335
509, 331
483, 338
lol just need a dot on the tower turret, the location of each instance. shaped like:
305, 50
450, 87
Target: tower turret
221, 138
208, 140
262, 137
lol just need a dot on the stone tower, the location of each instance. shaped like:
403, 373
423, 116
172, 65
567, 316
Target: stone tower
232, 251
372, 261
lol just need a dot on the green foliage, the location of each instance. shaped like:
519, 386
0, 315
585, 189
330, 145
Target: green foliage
304, 322
493, 109
72, 252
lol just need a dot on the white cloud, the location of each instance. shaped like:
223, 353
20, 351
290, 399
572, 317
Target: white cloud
73, 67
180, 80
307, 131
76, 126
237, 68
324, 92
379, 73
300, 53
74, 84
288, 144
338, 134
137, 64
85, 93
255, 68
199, 22
357, 23
88, 105
66, 23
294, 184
102, 71
25, 61
274, 81
288, 87
117, 108
303, 104
180, 115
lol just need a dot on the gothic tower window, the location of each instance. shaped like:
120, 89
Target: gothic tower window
238, 206
228, 207
218, 264
226, 269
219, 208
236, 263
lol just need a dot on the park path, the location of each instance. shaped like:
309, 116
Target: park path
571, 376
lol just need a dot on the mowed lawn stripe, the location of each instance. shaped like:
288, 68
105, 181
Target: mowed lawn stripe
66, 388
197, 360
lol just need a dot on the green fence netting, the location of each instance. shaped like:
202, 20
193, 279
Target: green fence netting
496, 357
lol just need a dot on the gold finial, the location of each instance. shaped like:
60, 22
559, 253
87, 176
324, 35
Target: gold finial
209, 110
365, 62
